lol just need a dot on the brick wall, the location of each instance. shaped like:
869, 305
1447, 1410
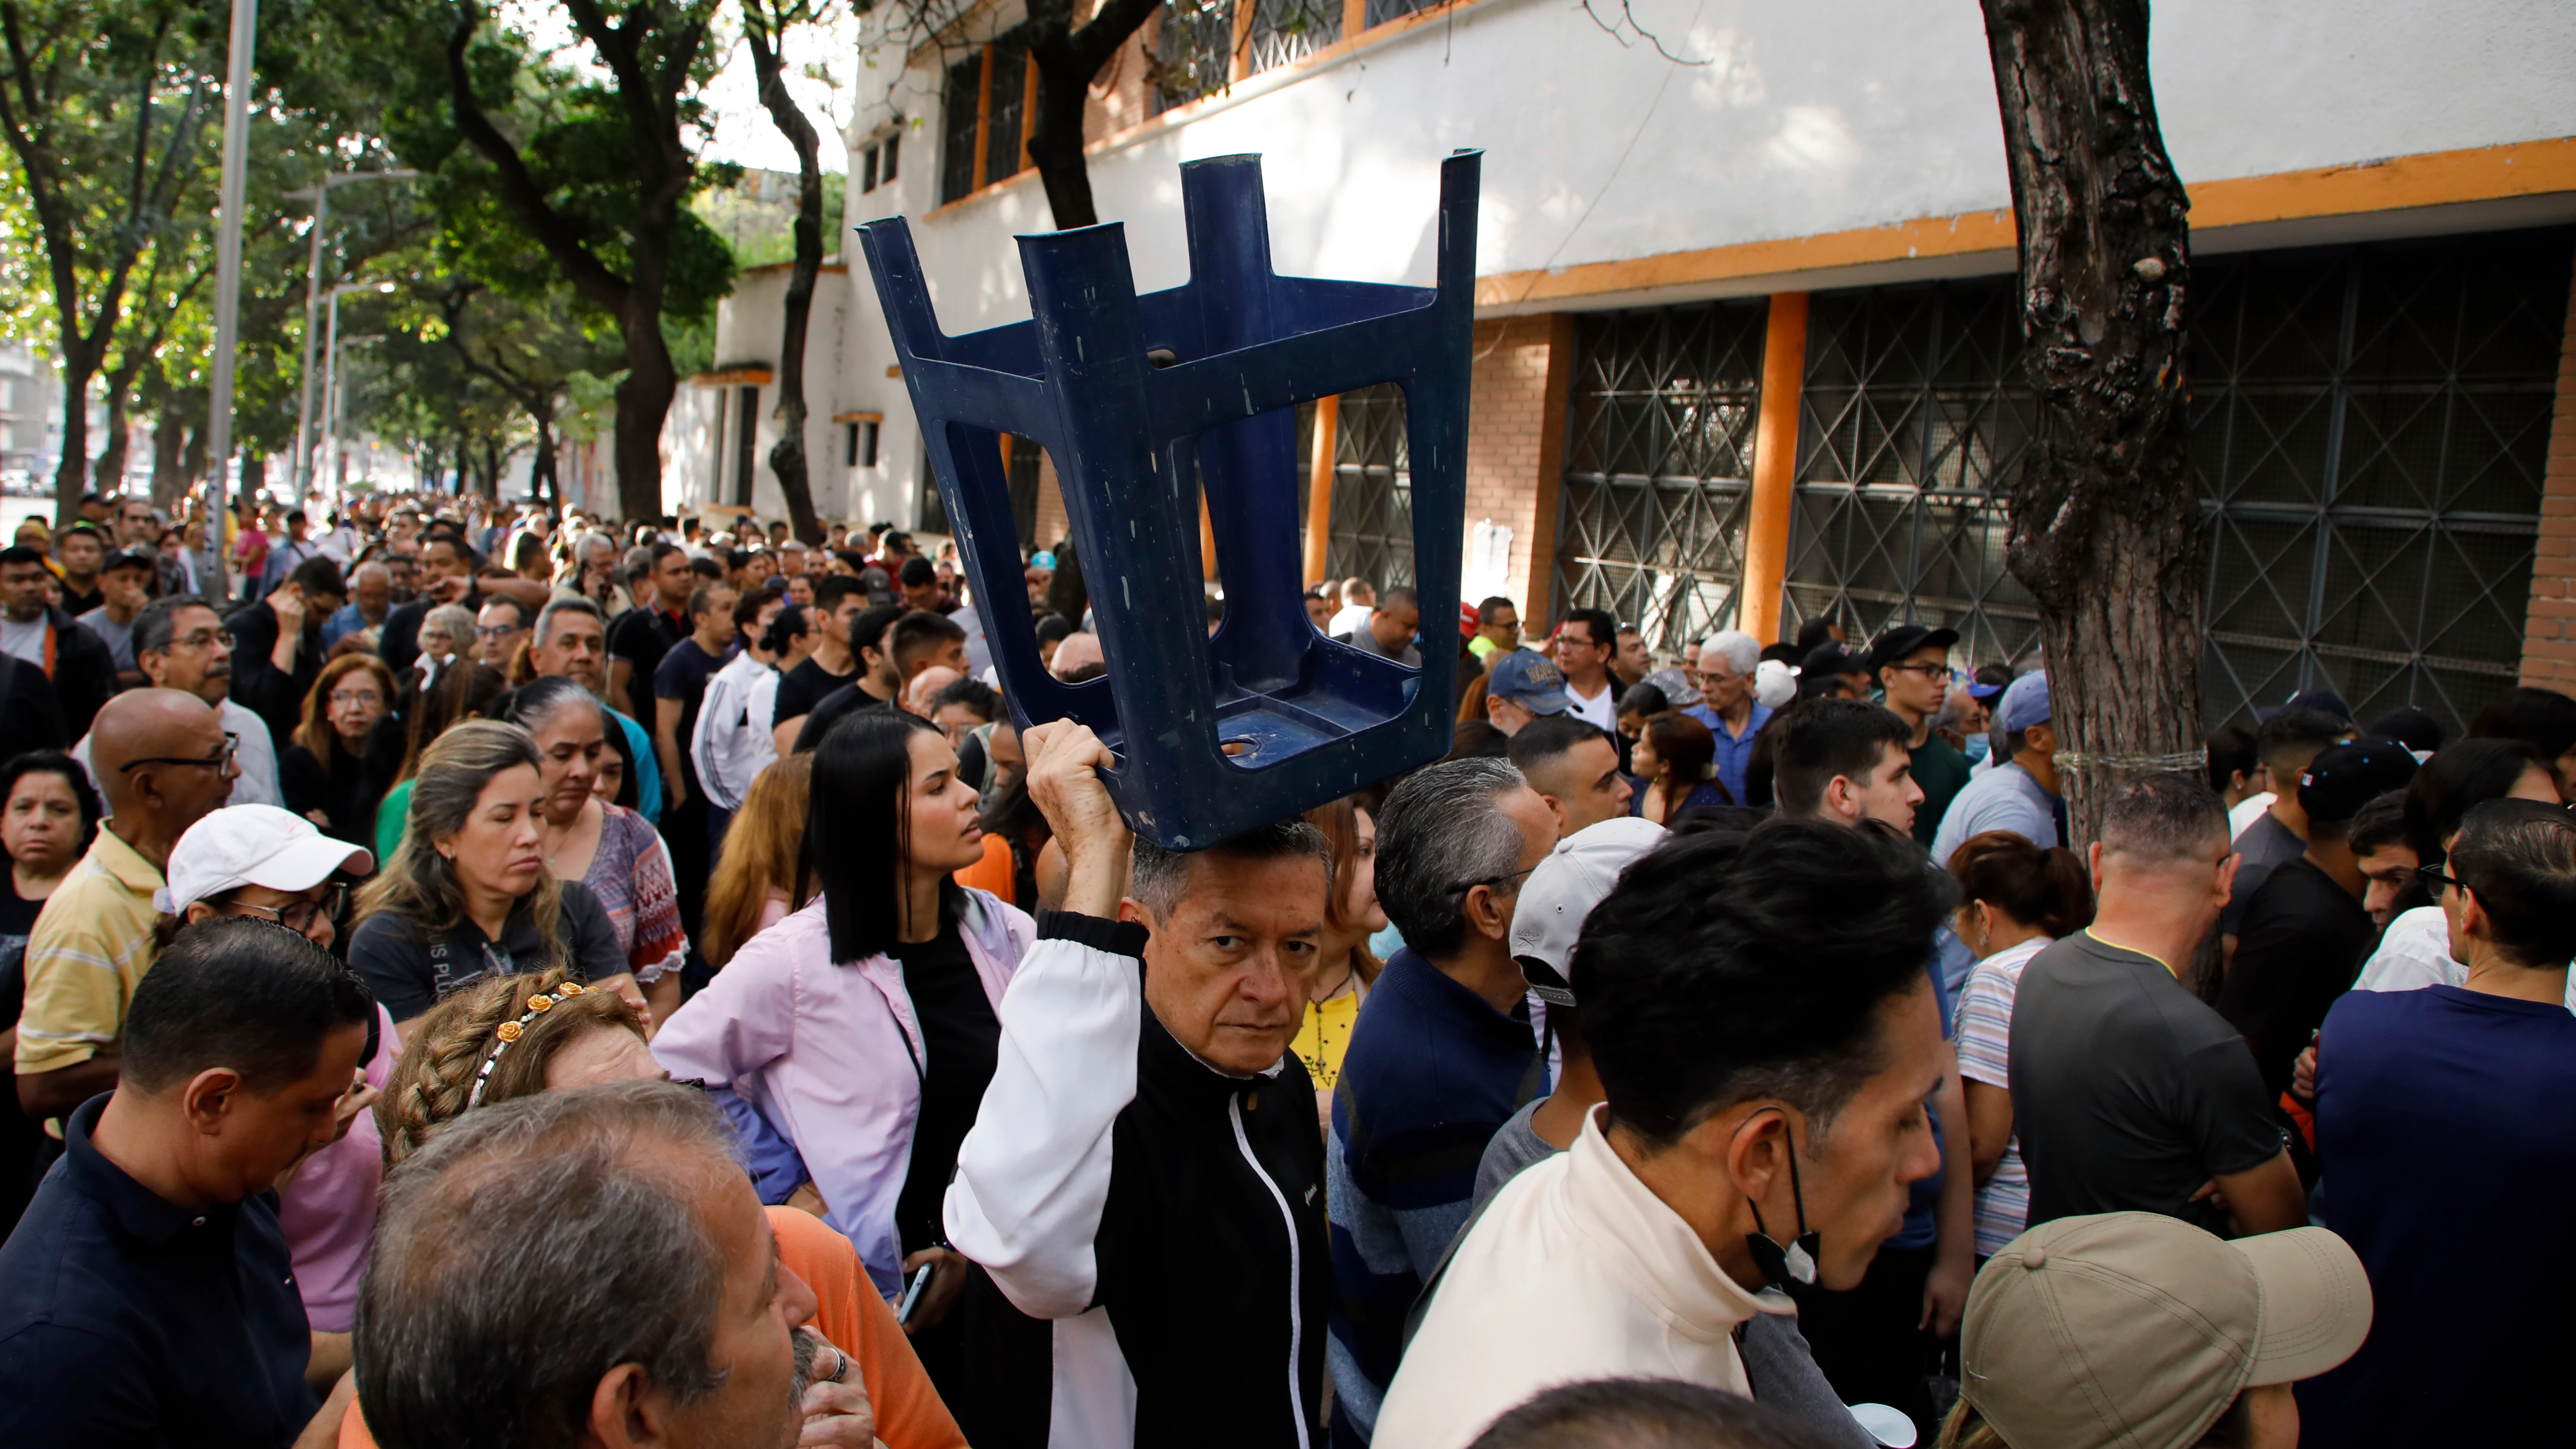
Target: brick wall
1516, 447
2549, 636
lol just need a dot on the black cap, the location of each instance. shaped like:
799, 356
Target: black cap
1831, 659
2343, 778
2324, 701
2410, 727
124, 559
1904, 639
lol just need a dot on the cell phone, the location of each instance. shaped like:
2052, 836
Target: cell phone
912, 1294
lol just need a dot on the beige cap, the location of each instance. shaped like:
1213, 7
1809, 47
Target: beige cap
2137, 1330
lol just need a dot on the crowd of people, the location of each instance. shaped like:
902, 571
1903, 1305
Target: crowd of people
481, 976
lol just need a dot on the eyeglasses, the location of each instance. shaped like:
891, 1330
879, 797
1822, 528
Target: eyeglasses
300, 916
495, 631
2434, 880
1498, 883
204, 639
356, 696
1928, 670
216, 761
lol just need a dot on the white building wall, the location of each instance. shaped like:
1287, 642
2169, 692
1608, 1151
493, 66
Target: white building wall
1807, 120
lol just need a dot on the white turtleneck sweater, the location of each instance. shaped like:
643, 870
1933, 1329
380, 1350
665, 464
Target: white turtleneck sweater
1576, 1271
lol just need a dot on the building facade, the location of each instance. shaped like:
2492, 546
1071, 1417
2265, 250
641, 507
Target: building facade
1746, 351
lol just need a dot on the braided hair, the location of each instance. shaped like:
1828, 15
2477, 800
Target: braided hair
433, 1080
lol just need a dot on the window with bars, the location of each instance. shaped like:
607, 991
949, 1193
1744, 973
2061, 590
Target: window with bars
2370, 425
986, 108
1914, 412
1193, 51
1650, 523
877, 163
1284, 31
1372, 521
2369, 430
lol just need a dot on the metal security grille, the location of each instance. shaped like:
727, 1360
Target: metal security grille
1382, 11
957, 127
1650, 522
1193, 51
1003, 155
1914, 412
2370, 426
1372, 527
1289, 30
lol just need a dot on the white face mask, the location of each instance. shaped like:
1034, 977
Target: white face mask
1978, 747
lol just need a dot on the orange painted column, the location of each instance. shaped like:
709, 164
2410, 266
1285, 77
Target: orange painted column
1319, 484
1354, 17
1207, 540
1775, 468
983, 118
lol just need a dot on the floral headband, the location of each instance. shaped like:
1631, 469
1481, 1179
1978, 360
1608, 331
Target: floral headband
510, 1031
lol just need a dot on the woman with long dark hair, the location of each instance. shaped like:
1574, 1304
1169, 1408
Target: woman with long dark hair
859, 1033
347, 751
468, 892
1676, 756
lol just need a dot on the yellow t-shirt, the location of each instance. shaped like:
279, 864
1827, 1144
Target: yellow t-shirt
91, 944
1324, 1035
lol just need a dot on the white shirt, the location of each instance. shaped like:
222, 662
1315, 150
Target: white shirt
1576, 1271
732, 743
2242, 815
1601, 709
2415, 952
25, 641
257, 784
1352, 616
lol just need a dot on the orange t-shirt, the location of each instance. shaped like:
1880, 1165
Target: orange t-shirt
909, 1412
993, 872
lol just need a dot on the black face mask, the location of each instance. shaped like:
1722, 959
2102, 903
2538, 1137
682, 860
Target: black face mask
1795, 1265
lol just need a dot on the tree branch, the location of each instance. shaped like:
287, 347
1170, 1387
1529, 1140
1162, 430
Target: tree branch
561, 237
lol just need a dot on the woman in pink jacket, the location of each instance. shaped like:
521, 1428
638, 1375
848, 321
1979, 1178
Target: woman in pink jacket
853, 1040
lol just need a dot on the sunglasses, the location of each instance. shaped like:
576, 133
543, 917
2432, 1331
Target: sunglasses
2434, 879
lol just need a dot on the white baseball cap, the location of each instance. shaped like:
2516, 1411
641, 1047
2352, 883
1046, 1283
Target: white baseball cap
1561, 892
257, 845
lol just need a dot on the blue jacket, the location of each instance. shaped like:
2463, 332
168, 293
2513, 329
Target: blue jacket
1431, 1072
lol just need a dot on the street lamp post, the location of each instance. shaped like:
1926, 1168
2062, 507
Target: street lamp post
331, 386
321, 199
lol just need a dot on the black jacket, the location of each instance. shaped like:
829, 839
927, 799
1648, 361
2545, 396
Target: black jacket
84, 673
1186, 1242
274, 694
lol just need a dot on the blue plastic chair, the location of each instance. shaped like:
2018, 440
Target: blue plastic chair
1310, 720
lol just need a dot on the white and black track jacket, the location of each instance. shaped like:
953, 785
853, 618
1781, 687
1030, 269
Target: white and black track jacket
1168, 1218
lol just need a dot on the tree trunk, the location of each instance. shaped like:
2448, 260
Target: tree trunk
787, 455
2106, 530
643, 400
71, 474
541, 469
1068, 60
1055, 142
109, 476
193, 467
169, 439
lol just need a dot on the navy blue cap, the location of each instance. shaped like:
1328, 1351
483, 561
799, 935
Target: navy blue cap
1526, 678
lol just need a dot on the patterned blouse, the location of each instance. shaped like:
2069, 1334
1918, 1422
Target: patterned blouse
631, 875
